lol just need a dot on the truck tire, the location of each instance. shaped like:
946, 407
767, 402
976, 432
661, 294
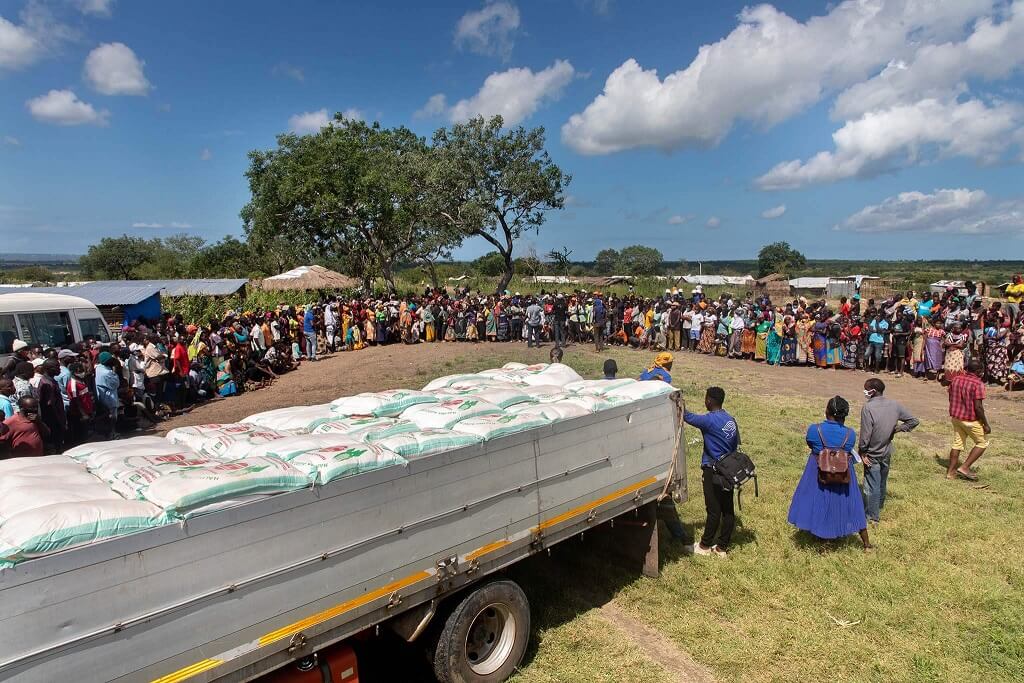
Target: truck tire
485, 636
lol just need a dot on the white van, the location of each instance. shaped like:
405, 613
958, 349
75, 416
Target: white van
48, 319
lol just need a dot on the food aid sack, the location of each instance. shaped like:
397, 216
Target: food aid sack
544, 392
130, 476
639, 390
345, 459
426, 442
388, 403
447, 381
368, 429
555, 411
514, 366
59, 526
294, 446
300, 419
477, 381
29, 483
183, 492
558, 374
597, 387
592, 404
226, 441
501, 396
496, 375
495, 426
99, 452
448, 413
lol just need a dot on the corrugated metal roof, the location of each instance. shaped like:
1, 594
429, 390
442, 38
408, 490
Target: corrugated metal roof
207, 286
116, 293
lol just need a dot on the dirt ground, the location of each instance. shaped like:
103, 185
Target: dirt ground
413, 366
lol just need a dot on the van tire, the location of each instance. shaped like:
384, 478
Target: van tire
485, 636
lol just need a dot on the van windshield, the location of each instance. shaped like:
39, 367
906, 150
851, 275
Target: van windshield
95, 328
49, 329
8, 333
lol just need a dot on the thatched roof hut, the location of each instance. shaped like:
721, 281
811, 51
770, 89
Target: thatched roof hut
309, 278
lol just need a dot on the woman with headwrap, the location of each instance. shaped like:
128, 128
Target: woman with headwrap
761, 340
661, 370
830, 511
789, 341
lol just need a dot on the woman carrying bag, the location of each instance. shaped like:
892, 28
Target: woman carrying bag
827, 502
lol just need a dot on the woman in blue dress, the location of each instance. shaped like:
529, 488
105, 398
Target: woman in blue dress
830, 511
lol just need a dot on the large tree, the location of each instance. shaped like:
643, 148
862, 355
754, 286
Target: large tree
606, 261
116, 258
494, 183
352, 191
779, 257
640, 260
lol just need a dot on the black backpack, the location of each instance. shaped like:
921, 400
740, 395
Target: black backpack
734, 470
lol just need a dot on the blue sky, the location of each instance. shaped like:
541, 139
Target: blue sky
891, 129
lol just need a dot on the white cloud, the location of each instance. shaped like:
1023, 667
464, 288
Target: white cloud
767, 69
62, 107
158, 226
714, 222
886, 140
288, 71
97, 7
678, 219
313, 121
147, 225
774, 212
962, 211
515, 94
992, 51
113, 69
12, 141
489, 30
309, 121
205, 154
181, 226
18, 47
435, 106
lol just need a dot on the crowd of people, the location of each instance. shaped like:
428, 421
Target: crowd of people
164, 366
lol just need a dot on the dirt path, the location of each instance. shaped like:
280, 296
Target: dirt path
412, 366
655, 646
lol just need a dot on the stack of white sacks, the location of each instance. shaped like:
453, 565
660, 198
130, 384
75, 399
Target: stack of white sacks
105, 489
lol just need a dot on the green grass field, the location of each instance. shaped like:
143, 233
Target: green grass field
940, 599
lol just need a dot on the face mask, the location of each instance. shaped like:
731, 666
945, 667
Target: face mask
869, 393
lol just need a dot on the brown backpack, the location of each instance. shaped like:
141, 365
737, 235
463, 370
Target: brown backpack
833, 463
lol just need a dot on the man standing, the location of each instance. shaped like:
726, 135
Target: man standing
881, 419
534, 321
675, 324
23, 434
967, 413
559, 314
598, 319
309, 331
721, 437
51, 406
107, 385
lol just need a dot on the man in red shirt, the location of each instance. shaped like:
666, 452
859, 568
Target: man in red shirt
967, 413
24, 432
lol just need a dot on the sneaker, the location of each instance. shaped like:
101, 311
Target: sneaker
699, 549
688, 549
719, 552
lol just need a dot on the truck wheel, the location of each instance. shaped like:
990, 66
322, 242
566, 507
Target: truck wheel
485, 636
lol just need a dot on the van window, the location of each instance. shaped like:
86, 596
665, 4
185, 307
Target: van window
8, 333
95, 328
49, 329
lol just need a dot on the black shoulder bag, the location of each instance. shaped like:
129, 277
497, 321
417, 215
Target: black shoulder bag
734, 470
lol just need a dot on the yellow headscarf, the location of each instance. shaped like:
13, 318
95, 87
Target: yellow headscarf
661, 360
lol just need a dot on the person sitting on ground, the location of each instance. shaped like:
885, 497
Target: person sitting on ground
556, 355
830, 510
611, 368
661, 370
721, 436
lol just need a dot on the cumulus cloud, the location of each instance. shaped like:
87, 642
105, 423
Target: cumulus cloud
963, 211
489, 30
713, 222
436, 105
288, 71
678, 219
147, 225
774, 212
100, 8
883, 141
18, 47
63, 108
114, 69
992, 50
205, 154
767, 69
515, 94
180, 226
12, 141
313, 121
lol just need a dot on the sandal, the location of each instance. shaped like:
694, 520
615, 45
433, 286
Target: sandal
969, 476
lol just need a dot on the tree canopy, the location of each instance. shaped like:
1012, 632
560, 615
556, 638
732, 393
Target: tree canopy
779, 257
640, 260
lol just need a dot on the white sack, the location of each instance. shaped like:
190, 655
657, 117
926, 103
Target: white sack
490, 427
95, 454
227, 441
447, 381
558, 374
448, 413
501, 396
368, 429
294, 446
555, 411
640, 390
343, 460
427, 442
597, 387
299, 419
129, 477
381, 403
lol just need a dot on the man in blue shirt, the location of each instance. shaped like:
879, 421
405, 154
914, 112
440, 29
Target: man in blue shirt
309, 331
878, 328
661, 370
721, 437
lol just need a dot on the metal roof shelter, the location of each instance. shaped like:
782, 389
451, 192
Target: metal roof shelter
202, 286
118, 300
